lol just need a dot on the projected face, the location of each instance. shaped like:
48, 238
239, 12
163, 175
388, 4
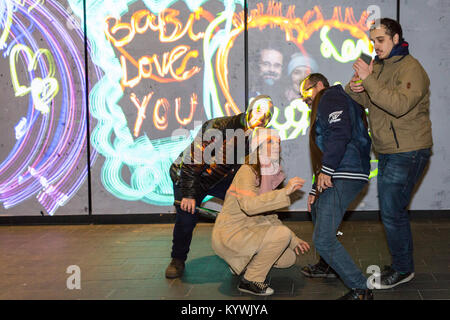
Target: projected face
383, 43
299, 73
270, 66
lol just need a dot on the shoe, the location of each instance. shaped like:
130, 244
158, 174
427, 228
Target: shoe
389, 278
175, 269
319, 270
358, 294
256, 288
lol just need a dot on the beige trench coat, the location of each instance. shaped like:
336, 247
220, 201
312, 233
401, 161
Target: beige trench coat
245, 218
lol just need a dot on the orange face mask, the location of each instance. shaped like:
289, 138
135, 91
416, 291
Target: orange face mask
259, 114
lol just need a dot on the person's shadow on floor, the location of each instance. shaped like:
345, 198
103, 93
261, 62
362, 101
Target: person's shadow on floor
213, 269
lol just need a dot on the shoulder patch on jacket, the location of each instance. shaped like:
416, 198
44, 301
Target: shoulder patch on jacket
334, 117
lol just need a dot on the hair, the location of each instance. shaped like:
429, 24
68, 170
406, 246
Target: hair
315, 153
316, 77
392, 27
256, 167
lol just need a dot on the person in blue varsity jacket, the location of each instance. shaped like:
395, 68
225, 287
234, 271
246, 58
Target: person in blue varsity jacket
340, 157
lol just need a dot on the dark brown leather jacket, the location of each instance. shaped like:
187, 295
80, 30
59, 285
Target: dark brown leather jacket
204, 163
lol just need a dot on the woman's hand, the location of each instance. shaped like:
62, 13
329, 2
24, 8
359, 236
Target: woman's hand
294, 184
302, 247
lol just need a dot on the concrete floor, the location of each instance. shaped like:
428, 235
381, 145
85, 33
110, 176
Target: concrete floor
128, 262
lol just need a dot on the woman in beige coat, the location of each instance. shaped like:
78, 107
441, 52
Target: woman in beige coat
247, 233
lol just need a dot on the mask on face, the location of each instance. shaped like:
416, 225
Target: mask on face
259, 112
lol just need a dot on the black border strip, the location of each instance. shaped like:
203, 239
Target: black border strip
88, 125
398, 11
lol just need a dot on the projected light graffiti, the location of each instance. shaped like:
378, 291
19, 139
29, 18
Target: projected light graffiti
148, 160
48, 160
43, 91
312, 21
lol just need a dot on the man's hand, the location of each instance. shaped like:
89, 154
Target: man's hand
188, 204
356, 84
324, 182
303, 246
363, 69
311, 199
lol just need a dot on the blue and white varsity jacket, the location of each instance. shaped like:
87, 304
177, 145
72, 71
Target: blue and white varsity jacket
342, 137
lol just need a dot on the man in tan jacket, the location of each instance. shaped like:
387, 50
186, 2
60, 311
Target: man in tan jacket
395, 89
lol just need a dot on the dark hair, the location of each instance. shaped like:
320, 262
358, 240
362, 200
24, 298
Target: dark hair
316, 77
315, 153
256, 167
392, 27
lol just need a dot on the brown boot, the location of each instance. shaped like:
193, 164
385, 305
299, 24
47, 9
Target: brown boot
175, 269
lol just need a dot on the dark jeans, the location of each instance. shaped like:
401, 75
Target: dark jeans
398, 174
185, 222
327, 213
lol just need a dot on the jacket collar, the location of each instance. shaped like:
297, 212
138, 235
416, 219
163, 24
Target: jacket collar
397, 53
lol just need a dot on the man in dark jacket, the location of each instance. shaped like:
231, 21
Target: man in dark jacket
340, 155
207, 167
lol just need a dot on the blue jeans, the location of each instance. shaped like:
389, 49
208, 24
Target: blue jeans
185, 222
398, 174
327, 213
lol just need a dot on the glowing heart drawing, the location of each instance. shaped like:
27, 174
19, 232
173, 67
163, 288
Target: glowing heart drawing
43, 90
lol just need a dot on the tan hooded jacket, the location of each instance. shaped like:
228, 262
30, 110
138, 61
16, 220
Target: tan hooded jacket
398, 98
245, 218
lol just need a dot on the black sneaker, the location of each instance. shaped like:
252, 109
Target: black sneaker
319, 270
358, 294
175, 269
256, 288
389, 278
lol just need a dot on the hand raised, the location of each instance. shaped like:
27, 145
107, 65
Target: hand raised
294, 184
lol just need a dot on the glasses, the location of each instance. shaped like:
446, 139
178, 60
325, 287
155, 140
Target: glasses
307, 93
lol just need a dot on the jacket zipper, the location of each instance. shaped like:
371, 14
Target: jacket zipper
395, 135
381, 70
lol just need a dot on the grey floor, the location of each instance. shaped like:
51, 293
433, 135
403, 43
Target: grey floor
128, 262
